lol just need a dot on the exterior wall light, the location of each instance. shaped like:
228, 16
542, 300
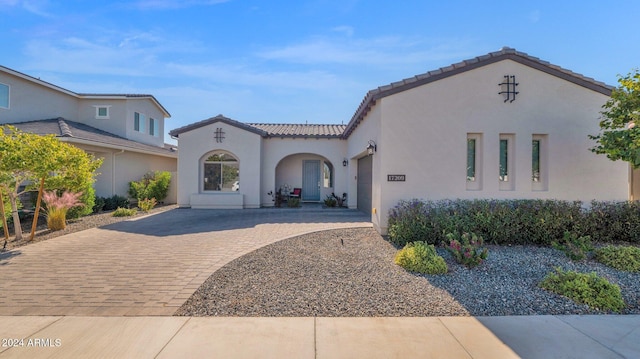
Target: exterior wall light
345, 163
372, 147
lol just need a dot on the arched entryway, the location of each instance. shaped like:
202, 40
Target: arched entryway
312, 173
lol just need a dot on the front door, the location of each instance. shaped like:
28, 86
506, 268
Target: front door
311, 180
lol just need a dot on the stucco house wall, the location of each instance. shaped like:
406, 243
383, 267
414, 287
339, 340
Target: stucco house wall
196, 145
50, 103
434, 152
285, 155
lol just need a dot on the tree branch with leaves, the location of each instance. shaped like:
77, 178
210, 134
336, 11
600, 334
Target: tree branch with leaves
619, 138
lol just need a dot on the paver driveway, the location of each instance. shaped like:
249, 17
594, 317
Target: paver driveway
146, 266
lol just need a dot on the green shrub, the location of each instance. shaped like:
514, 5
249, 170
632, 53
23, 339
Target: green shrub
88, 200
573, 246
620, 258
152, 185
293, 202
613, 221
409, 222
421, 257
330, 201
589, 289
147, 204
465, 248
99, 205
124, 212
115, 201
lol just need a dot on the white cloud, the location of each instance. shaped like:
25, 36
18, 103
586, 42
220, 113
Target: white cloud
172, 4
344, 29
381, 51
36, 7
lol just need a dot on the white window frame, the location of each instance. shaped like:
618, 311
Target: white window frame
507, 182
474, 183
100, 117
8, 95
222, 164
140, 119
154, 127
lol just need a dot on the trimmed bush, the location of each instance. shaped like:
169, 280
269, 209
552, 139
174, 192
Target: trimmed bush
573, 246
590, 289
124, 212
421, 257
465, 248
409, 222
523, 222
621, 258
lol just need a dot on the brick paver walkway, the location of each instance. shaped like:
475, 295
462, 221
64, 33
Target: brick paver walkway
148, 266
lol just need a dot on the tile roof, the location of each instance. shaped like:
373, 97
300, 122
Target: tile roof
77, 131
503, 54
300, 130
270, 129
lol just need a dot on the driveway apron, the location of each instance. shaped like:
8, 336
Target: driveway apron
149, 265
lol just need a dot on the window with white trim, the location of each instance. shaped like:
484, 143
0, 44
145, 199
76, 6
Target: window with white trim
474, 161
102, 112
506, 171
539, 165
138, 122
4, 96
221, 172
154, 127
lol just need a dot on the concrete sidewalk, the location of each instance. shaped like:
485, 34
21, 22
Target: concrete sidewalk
212, 337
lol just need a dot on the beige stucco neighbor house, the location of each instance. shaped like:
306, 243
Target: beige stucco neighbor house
125, 130
502, 125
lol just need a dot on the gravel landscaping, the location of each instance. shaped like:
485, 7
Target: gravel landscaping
350, 272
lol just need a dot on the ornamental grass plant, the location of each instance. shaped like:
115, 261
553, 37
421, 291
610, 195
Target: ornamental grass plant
58, 206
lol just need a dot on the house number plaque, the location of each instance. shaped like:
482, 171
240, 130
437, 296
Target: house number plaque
396, 178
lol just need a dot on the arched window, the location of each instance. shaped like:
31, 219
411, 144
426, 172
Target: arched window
221, 173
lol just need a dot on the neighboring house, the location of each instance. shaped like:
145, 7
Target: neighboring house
126, 131
503, 125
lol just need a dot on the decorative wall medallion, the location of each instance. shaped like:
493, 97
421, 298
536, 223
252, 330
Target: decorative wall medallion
219, 135
508, 87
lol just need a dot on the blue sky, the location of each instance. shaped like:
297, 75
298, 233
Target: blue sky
296, 61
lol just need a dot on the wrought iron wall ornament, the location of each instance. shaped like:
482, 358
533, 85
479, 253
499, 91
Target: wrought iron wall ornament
508, 87
219, 135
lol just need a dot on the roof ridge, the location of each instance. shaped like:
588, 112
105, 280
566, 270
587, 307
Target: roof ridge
65, 131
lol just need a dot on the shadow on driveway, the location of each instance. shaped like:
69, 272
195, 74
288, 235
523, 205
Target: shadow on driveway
5, 256
186, 221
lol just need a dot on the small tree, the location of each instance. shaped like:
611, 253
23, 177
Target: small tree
26, 159
620, 126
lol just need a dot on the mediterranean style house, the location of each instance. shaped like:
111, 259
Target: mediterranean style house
125, 130
502, 125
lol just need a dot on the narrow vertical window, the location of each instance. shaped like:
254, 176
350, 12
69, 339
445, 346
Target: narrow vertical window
474, 162
539, 163
535, 160
136, 121
4, 96
152, 126
504, 160
471, 160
